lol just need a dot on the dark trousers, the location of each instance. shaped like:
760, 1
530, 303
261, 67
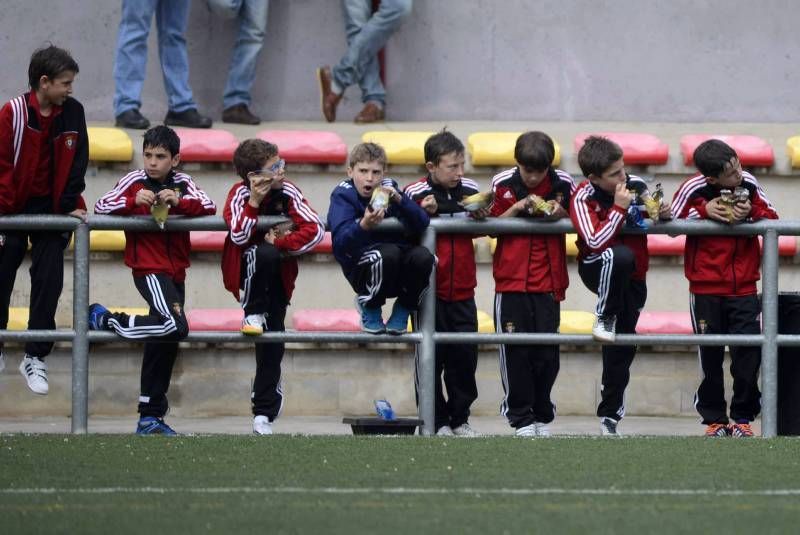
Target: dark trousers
166, 320
392, 270
47, 279
609, 276
712, 314
455, 363
263, 293
528, 372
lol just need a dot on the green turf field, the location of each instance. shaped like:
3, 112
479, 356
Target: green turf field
232, 484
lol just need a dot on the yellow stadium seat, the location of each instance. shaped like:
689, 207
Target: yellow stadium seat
572, 249
576, 322
485, 322
401, 147
109, 144
17, 319
497, 148
793, 148
104, 240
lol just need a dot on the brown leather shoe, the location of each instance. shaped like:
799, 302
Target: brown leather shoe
239, 114
329, 99
370, 113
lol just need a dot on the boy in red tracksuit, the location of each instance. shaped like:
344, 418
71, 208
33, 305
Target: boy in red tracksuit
612, 265
259, 267
530, 274
44, 151
722, 273
159, 261
440, 194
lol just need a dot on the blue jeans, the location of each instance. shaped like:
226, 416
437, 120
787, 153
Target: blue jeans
252, 15
367, 34
131, 57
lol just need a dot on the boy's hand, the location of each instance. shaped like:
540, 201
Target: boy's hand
717, 211
558, 211
168, 196
145, 197
394, 195
741, 210
270, 236
481, 213
429, 204
372, 218
80, 213
622, 197
258, 190
665, 211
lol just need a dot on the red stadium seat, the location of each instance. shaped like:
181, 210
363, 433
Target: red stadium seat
307, 146
752, 150
664, 323
637, 148
663, 245
331, 319
325, 246
213, 240
214, 319
206, 145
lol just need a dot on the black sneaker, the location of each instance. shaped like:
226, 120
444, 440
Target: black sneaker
239, 114
132, 119
189, 118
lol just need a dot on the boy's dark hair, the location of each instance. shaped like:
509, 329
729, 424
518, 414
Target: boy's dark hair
442, 143
49, 61
367, 152
712, 157
597, 155
251, 155
164, 137
535, 151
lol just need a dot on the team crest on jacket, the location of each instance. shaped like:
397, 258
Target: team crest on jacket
510, 327
70, 143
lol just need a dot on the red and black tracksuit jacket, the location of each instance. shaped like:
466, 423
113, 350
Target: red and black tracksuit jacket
241, 218
156, 252
721, 265
21, 142
531, 263
599, 221
456, 277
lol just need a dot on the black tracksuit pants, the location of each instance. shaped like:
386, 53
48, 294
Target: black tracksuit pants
455, 363
392, 270
609, 276
166, 320
528, 372
713, 314
47, 279
263, 293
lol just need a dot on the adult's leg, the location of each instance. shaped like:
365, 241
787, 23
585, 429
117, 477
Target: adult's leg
171, 20
249, 41
130, 60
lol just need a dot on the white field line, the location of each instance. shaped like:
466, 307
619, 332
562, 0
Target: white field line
402, 490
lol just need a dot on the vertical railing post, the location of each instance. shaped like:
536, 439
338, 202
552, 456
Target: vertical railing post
427, 347
80, 324
769, 351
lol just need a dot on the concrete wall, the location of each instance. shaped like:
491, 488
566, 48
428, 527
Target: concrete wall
607, 60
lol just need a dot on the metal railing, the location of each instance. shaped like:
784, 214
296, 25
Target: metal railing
427, 337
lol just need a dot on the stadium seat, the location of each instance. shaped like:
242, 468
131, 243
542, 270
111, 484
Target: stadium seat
206, 145
752, 150
109, 144
329, 319
17, 318
497, 148
402, 148
664, 323
576, 322
485, 322
637, 148
572, 249
214, 319
307, 146
104, 240
793, 150
207, 240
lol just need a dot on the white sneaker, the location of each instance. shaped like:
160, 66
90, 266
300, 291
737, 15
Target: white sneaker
445, 431
604, 328
262, 425
465, 430
253, 325
527, 431
35, 373
608, 427
542, 430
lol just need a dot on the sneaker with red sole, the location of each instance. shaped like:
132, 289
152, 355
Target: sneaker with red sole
717, 430
740, 430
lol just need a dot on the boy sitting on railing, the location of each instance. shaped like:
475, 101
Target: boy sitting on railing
159, 261
722, 273
259, 267
378, 265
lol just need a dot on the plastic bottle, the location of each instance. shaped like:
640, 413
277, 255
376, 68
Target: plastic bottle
384, 410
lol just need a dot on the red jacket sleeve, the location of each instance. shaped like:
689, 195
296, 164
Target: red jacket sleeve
308, 227
122, 199
194, 202
595, 232
7, 191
